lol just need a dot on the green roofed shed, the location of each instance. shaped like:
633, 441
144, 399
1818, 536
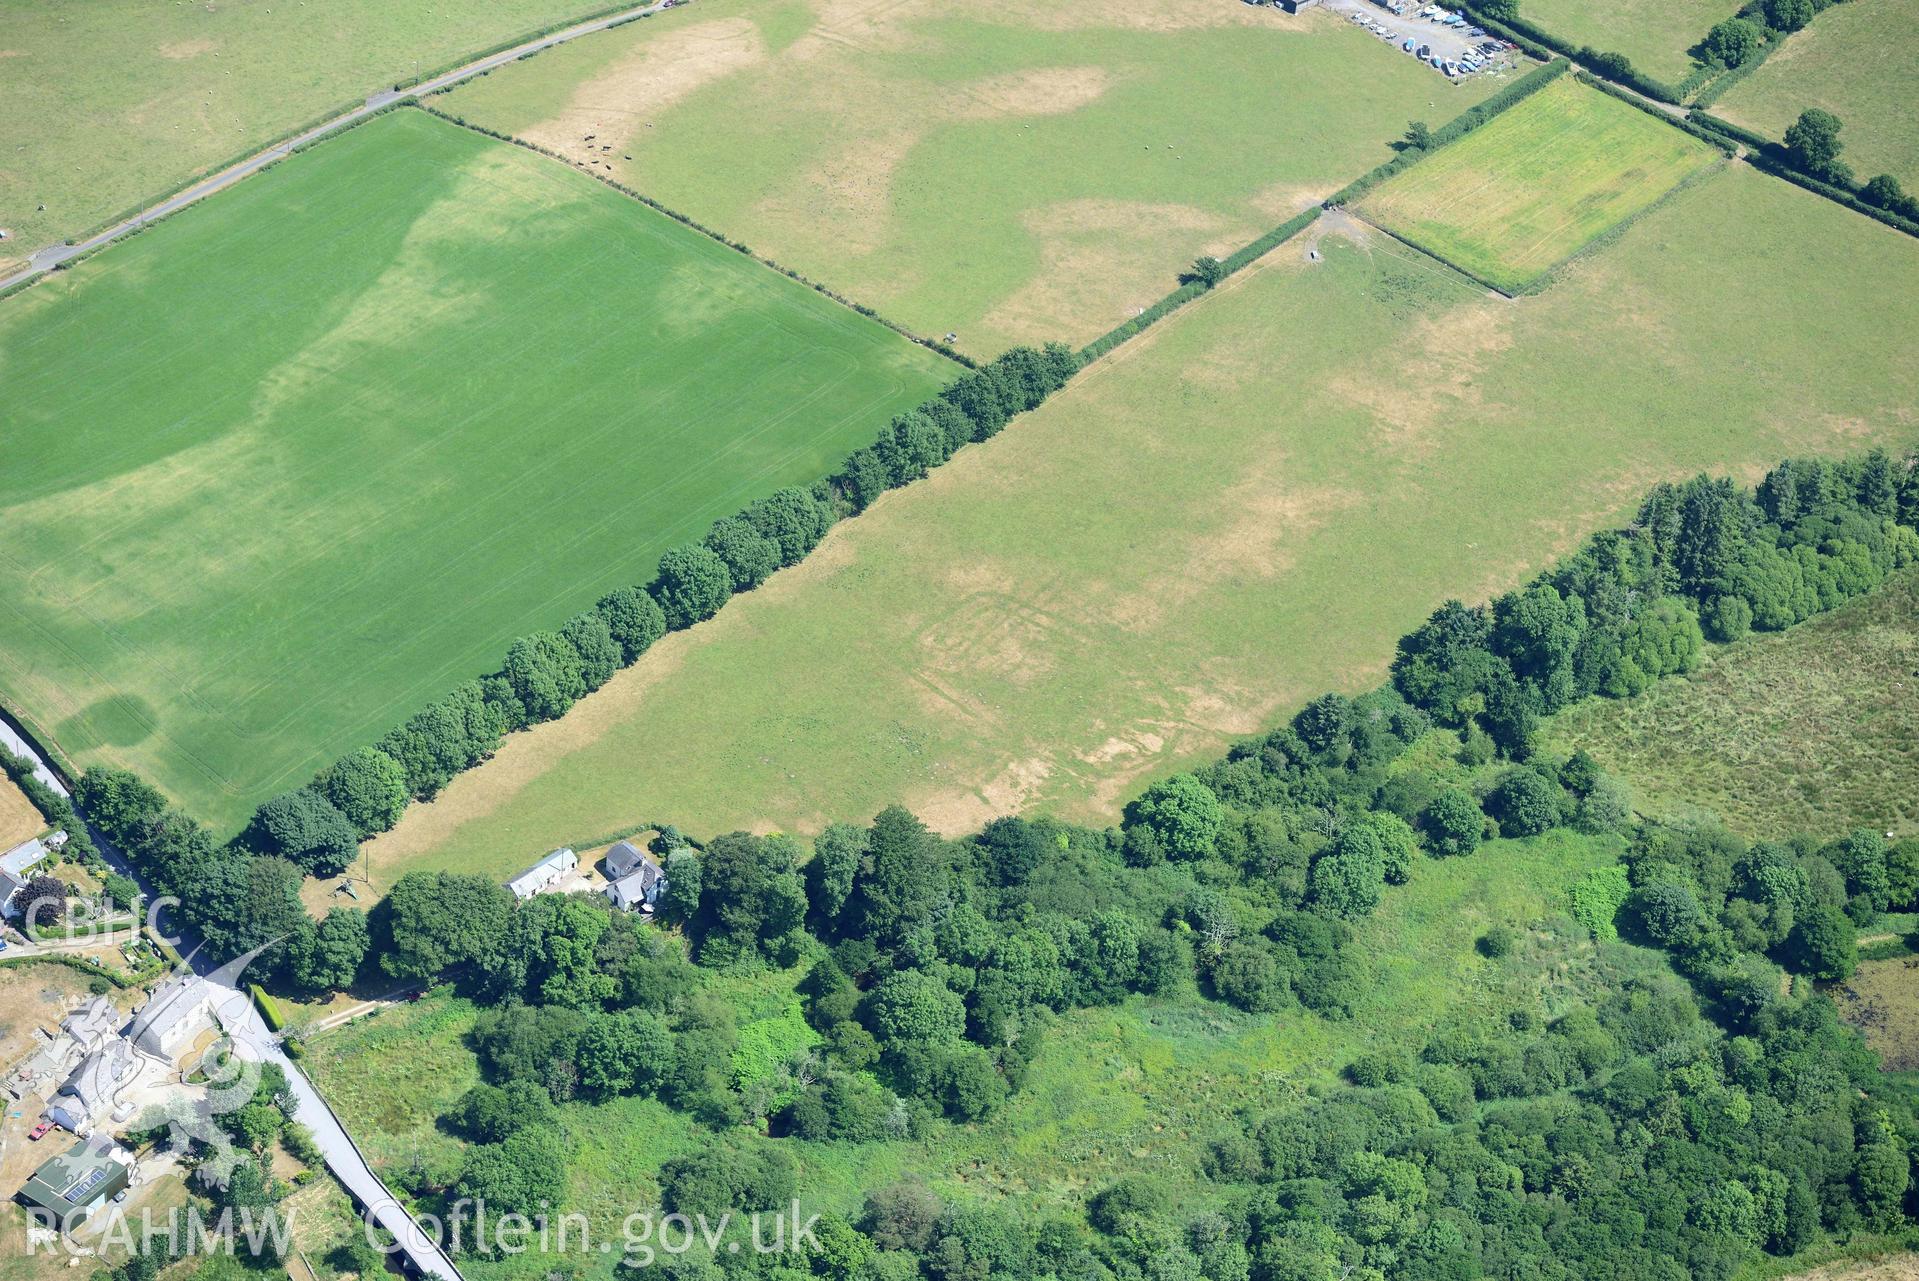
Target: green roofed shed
71, 1186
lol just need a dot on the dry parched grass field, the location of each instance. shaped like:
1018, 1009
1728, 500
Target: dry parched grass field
19, 820
1007, 170
1516, 197
1224, 518
1882, 1000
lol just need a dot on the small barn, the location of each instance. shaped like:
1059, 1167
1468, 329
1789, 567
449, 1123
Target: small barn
545, 874
1294, 6
68, 1188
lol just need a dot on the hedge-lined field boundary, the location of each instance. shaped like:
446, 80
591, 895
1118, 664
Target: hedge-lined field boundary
1774, 158
55, 809
1454, 129
1683, 124
340, 109
72, 963
317, 827
1706, 80
1535, 39
1241, 258
694, 224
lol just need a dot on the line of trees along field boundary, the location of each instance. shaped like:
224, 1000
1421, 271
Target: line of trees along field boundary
1772, 157
1704, 561
1880, 199
1453, 130
316, 829
1761, 30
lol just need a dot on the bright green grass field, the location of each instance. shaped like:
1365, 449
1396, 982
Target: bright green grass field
1230, 515
1137, 1087
289, 465
1529, 189
1812, 730
1858, 60
111, 102
1654, 34
1007, 170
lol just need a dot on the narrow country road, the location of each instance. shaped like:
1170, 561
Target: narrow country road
343, 1157
19, 746
52, 256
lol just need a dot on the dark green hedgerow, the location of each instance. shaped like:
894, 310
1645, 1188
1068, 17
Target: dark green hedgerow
1241, 258
1774, 158
1612, 65
1686, 124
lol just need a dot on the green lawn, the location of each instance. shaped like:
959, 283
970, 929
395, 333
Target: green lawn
1858, 61
289, 465
1542, 180
1223, 519
1811, 730
1008, 170
111, 102
1654, 34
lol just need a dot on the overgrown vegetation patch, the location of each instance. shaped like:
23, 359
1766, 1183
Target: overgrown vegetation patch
1815, 727
1536, 184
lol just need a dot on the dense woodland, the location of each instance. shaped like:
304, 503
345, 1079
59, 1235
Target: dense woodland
1680, 1123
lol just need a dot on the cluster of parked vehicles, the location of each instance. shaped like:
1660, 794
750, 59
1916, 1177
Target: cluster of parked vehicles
1476, 58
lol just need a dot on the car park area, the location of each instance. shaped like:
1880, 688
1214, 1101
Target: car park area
1445, 40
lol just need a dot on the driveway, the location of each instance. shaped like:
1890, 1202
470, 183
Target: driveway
343, 1157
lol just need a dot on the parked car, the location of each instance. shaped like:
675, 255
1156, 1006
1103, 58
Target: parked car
1425, 51
39, 1131
1407, 46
